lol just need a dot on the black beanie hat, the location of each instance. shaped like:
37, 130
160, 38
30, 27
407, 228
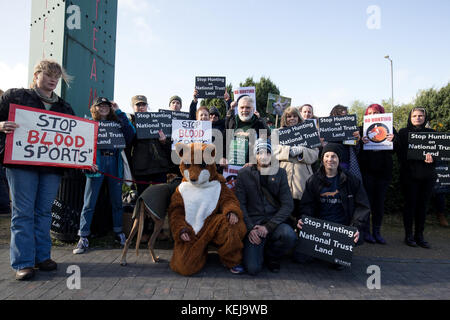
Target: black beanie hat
332, 147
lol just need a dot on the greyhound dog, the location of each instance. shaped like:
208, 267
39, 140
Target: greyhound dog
152, 203
138, 227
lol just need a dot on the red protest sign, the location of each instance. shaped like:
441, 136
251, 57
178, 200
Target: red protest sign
47, 138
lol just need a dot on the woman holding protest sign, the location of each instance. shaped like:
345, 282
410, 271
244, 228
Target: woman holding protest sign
376, 169
33, 188
296, 160
417, 180
110, 166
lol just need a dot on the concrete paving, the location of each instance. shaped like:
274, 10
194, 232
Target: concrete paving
103, 278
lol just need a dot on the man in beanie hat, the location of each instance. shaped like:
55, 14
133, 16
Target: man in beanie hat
266, 202
334, 195
175, 103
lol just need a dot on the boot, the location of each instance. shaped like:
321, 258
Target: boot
409, 240
421, 241
368, 237
442, 220
378, 238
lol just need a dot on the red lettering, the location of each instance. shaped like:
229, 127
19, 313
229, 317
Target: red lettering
47, 143
33, 137
94, 39
68, 141
92, 98
79, 142
94, 70
59, 139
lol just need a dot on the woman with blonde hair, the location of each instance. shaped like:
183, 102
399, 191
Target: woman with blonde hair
296, 160
33, 188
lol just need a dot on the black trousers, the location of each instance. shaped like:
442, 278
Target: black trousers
376, 189
417, 195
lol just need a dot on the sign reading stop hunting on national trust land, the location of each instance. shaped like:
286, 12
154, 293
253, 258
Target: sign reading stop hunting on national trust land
338, 128
304, 134
210, 87
327, 241
148, 124
47, 138
435, 143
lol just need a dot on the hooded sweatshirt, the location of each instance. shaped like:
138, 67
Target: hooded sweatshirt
416, 169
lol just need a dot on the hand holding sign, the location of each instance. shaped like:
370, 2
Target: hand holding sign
428, 158
8, 126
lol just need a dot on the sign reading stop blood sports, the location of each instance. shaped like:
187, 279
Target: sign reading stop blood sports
47, 138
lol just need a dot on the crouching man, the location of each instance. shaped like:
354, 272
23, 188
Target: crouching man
333, 195
266, 202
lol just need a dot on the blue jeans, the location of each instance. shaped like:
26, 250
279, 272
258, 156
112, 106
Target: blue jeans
273, 247
91, 192
32, 195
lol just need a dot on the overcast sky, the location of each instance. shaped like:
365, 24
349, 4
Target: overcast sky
320, 52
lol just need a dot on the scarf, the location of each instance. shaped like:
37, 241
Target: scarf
54, 98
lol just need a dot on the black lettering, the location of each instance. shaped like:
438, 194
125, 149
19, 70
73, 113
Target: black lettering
51, 154
29, 149
41, 150
42, 117
65, 153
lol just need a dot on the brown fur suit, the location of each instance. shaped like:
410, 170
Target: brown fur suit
200, 207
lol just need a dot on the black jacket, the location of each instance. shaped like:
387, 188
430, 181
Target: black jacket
253, 203
416, 169
353, 196
28, 98
377, 163
148, 156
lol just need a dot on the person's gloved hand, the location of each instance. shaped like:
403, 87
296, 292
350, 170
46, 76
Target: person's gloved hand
295, 151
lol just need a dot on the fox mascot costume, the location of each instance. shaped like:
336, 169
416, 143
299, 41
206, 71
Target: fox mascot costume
203, 211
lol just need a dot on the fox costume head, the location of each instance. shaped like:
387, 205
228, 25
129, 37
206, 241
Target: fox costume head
197, 162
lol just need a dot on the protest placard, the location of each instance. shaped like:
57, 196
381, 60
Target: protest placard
304, 134
376, 128
244, 91
443, 174
276, 104
210, 87
435, 143
238, 151
230, 174
148, 124
190, 131
47, 138
338, 128
110, 135
327, 241
174, 115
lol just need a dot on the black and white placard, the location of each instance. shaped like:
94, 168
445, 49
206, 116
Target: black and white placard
327, 241
210, 87
110, 135
304, 134
443, 174
338, 128
435, 143
148, 124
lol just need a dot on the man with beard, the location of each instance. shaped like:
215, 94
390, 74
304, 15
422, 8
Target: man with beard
245, 126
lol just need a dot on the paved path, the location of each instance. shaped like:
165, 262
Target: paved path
102, 277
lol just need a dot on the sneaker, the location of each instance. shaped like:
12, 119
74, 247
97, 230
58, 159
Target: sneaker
120, 238
82, 246
238, 269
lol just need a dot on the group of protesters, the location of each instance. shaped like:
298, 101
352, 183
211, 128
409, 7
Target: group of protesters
336, 182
